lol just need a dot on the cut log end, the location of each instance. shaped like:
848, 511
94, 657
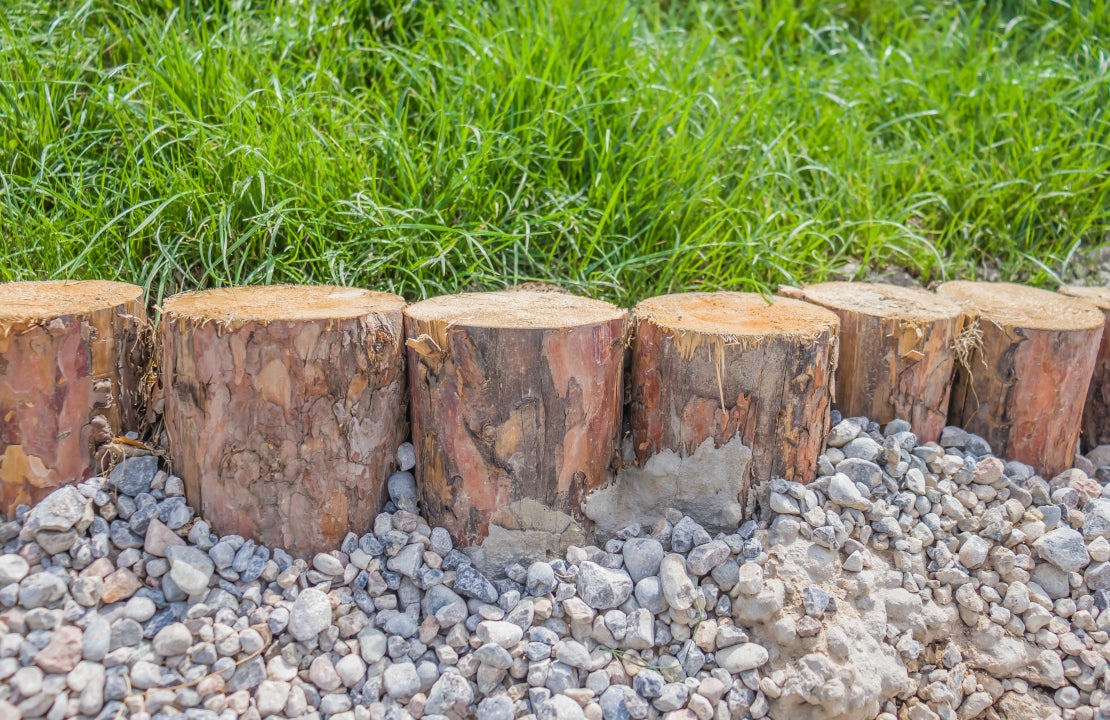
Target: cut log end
516, 409
905, 304
725, 365
897, 351
734, 316
284, 407
524, 309
237, 306
1024, 386
1021, 306
41, 301
71, 355
1096, 413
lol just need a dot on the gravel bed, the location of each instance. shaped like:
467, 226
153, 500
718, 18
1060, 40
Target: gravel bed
907, 581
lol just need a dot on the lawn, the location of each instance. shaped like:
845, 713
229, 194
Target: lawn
621, 148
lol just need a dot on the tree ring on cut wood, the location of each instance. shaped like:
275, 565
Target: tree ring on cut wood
284, 407
1025, 382
70, 360
516, 409
728, 364
1096, 413
897, 351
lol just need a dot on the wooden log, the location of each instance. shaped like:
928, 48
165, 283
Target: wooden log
284, 408
1096, 412
897, 351
516, 410
726, 364
70, 358
1025, 382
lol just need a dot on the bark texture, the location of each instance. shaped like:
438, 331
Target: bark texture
71, 355
1096, 412
1024, 385
724, 365
897, 351
516, 409
284, 408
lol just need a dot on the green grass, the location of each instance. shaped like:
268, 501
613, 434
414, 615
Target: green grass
622, 148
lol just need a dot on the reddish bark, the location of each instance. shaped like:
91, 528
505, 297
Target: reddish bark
897, 351
1026, 381
516, 406
725, 365
70, 356
284, 407
1096, 412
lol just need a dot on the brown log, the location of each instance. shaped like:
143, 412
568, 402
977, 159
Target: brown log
516, 409
1025, 382
897, 351
1096, 412
70, 356
725, 364
284, 408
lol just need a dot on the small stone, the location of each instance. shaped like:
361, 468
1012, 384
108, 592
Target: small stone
602, 588
57, 512
784, 504
401, 681
678, 588
704, 558
560, 707
172, 640
190, 568
159, 537
844, 492
816, 601
471, 583
327, 564
1064, 548
406, 458
133, 476
642, 557
451, 695
13, 568
743, 657
322, 674
498, 707
750, 580
540, 579
41, 589
573, 653
63, 652
119, 585
973, 553
310, 615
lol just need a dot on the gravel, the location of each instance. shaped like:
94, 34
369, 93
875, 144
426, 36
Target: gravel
917, 580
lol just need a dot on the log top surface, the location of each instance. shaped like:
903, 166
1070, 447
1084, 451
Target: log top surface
1022, 306
32, 301
514, 309
1098, 296
910, 304
735, 314
267, 303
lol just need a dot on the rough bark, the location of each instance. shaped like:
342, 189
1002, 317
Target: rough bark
516, 409
284, 407
725, 365
1096, 412
70, 360
897, 351
1025, 382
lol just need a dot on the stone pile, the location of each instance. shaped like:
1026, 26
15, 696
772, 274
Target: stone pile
910, 581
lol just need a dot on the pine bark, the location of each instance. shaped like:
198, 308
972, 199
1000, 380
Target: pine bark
897, 351
1025, 383
1096, 412
284, 407
725, 365
516, 408
71, 356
